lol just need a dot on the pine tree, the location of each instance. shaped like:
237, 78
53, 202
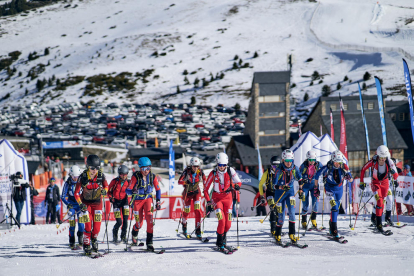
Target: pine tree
186, 81
26, 92
306, 97
205, 82
235, 65
178, 89
346, 78
326, 90
46, 51
222, 75
338, 86
240, 62
193, 100
196, 82
367, 76
237, 106
315, 75
236, 57
185, 72
256, 55
364, 86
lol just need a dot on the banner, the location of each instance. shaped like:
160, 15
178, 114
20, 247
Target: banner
364, 121
332, 126
381, 110
171, 169
260, 162
342, 142
61, 144
407, 79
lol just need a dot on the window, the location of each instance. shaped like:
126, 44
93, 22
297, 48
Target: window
261, 133
401, 116
333, 107
370, 105
345, 106
393, 116
273, 98
282, 131
358, 106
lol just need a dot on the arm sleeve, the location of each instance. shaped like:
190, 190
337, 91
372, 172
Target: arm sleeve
255, 199
298, 174
35, 192
157, 189
181, 180
235, 177
57, 193
77, 190
132, 184
47, 193
128, 190
263, 181
64, 192
105, 184
320, 172
207, 185
111, 187
364, 168
393, 169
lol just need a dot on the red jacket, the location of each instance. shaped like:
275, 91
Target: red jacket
117, 190
220, 181
187, 178
376, 178
255, 200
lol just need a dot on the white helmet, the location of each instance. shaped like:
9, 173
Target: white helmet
195, 161
311, 154
337, 156
222, 158
382, 151
287, 154
75, 171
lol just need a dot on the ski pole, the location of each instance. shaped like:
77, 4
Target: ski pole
323, 205
261, 221
129, 230
237, 216
349, 206
366, 202
58, 225
155, 215
395, 205
300, 202
306, 230
106, 224
358, 211
181, 215
189, 236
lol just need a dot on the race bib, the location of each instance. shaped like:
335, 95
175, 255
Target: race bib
126, 210
197, 205
279, 208
117, 213
292, 201
187, 209
136, 215
72, 223
85, 217
219, 215
230, 213
98, 216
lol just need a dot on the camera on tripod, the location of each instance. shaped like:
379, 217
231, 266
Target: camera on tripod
17, 179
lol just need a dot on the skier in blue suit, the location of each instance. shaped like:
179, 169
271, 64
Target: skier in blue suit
69, 199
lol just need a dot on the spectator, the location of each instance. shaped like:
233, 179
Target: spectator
406, 172
261, 209
52, 199
236, 202
33, 192
19, 196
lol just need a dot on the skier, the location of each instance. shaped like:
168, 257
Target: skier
223, 180
68, 197
266, 189
190, 179
260, 209
334, 173
382, 166
286, 173
94, 186
118, 192
143, 182
308, 170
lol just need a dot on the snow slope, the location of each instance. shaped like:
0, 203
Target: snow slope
38, 250
92, 37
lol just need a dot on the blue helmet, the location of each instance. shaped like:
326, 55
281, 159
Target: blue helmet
144, 162
407, 167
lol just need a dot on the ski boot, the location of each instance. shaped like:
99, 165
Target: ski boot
94, 242
330, 228
185, 229
123, 237
220, 244
278, 234
381, 229
292, 232
115, 235
72, 242
273, 219
150, 246
373, 219
80, 238
313, 220
388, 220
304, 222
198, 233
87, 249
134, 237
229, 248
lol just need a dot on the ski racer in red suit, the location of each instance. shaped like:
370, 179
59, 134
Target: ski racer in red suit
222, 180
190, 179
94, 186
382, 166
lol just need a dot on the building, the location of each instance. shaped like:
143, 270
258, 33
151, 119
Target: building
267, 123
356, 142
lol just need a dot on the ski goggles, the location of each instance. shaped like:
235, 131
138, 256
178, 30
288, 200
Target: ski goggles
311, 160
382, 158
145, 168
195, 166
222, 165
93, 168
123, 174
288, 160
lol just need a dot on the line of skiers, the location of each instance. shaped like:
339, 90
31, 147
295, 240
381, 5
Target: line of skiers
83, 193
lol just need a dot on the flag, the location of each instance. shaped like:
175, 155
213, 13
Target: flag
332, 127
300, 129
171, 165
342, 141
381, 111
407, 79
260, 162
364, 121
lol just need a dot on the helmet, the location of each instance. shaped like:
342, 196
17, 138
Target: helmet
123, 169
19, 175
311, 154
382, 151
337, 156
93, 161
275, 160
195, 161
287, 154
222, 158
75, 171
52, 179
144, 162
407, 167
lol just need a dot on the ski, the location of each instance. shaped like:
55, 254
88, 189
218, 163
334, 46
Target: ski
340, 239
282, 244
231, 248
315, 229
155, 251
224, 250
75, 247
93, 255
385, 233
129, 247
396, 226
302, 246
189, 237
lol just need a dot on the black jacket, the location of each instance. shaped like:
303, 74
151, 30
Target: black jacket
33, 192
19, 193
52, 194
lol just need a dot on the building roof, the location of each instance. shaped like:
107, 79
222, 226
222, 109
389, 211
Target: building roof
271, 77
155, 153
248, 154
356, 133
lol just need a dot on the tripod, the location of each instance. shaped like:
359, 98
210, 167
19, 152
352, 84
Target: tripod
10, 216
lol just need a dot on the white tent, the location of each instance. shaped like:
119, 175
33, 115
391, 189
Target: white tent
11, 162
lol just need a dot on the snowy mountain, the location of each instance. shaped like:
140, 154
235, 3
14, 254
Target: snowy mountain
139, 51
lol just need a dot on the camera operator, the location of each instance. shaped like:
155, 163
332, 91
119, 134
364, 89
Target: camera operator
52, 199
19, 193
33, 192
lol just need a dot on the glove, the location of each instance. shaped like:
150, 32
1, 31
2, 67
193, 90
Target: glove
104, 192
348, 177
303, 181
286, 187
112, 200
377, 197
362, 185
237, 187
209, 204
272, 207
158, 205
252, 208
300, 192
70, 206
262, 200
316, 192
83, 207
396, 184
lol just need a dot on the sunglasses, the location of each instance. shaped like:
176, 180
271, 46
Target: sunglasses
383, 158
145, 168
312, 160
288, 160
222, 165
94, 168
123, 174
